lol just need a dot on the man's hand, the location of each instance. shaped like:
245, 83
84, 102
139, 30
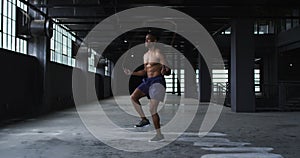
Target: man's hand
127, 71
165, 70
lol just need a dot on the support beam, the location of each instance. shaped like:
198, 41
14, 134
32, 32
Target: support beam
242, 66
39, 46
204, 81
190, 86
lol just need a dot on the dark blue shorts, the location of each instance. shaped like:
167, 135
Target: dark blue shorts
154, 87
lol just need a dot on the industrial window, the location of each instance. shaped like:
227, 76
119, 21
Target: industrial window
91, 60
169, 83
61, 46
107, 68
8, 39
181, 80
289, 24
197, 78
175, 81
295, 22
286, 24
94, 59
219, 80
257, 80
292, 23
260, 27
227, 31
264, 27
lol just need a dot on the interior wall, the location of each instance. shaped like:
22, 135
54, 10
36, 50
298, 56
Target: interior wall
21, 87
19, 84
288, 40
288, 45
289, 65
61, 92
60, 84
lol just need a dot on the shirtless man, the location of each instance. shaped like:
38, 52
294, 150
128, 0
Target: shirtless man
154, 86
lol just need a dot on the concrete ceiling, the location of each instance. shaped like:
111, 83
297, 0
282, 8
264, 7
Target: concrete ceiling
80, 16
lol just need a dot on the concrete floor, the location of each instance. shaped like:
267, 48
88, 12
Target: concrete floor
235, 135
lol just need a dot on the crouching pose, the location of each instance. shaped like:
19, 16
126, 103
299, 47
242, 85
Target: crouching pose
154, 86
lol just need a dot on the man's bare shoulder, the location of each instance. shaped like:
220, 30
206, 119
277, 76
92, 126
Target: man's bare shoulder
146, 53
157, 52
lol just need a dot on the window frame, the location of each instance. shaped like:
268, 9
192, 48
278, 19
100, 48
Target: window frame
8, 37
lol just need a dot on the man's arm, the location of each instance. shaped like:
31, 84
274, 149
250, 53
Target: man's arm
165, 70
135, 73
139, 73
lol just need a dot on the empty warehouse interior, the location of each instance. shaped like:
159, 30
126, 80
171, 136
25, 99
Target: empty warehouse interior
235, 68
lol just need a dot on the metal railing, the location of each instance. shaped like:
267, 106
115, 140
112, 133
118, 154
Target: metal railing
289, 95
220, 93
268, 97
281, 96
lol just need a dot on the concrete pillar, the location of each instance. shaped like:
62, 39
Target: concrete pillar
190, 87
81, 75
204, 81
39, 46
180, 66
242, 66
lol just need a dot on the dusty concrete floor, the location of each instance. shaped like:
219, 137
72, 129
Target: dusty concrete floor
235, 135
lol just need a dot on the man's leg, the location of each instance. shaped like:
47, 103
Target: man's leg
156, 121
155, 117
135, 97
156, 93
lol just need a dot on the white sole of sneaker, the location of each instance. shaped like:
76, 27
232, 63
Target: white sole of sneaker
156, 141
142, 127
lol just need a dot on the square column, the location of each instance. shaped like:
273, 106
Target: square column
190, 85
204, 81
242, 66
39, 47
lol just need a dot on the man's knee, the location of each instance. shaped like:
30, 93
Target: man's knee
152, 110
133, 98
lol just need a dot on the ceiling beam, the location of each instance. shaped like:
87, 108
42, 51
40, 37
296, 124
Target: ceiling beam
197, 13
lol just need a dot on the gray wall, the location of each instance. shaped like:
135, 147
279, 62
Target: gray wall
19, 84
21, 87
